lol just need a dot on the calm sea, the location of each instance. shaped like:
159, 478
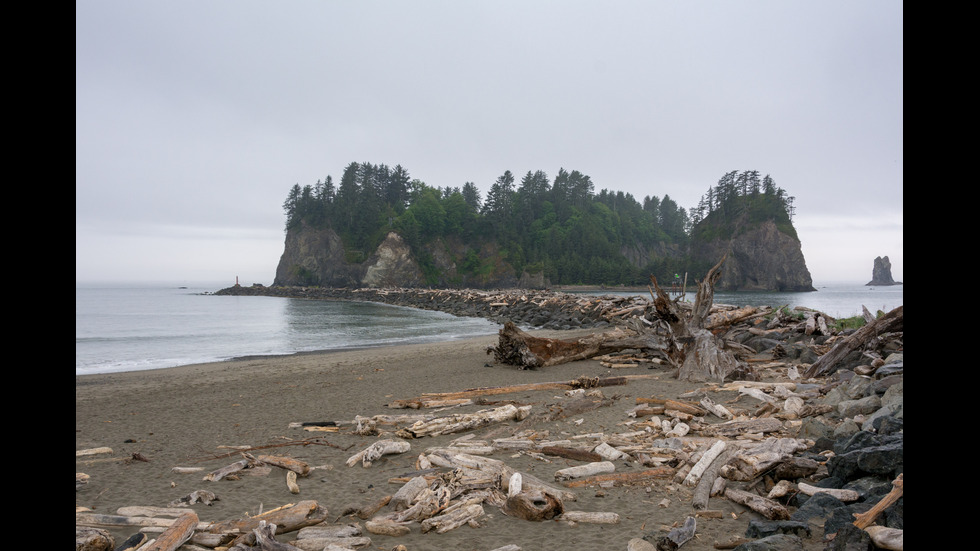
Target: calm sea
122, 327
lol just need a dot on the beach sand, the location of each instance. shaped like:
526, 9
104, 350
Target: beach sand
188, 416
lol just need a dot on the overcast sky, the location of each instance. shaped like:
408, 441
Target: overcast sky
194, 118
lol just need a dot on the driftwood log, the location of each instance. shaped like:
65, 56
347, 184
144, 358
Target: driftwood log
173, 537
518, 348
678, 536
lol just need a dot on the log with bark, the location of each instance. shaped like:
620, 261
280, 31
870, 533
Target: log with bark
518, 348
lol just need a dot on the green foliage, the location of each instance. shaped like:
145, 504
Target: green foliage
855, 322
563, 228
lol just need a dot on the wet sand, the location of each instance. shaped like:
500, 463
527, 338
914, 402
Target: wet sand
190, 416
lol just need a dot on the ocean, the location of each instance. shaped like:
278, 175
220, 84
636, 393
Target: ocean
130, 327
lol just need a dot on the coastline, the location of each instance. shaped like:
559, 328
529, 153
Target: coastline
190, 416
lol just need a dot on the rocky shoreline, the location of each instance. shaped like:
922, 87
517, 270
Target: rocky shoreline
539, 309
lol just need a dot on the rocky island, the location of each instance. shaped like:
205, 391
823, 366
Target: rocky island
881, 274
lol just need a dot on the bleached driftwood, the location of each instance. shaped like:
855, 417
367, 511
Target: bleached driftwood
176, 534
732, 429
235, 467
299, 467
87, 538
373, 452
331, 544
702, 464
766, 507
678, 536
754, 460
839, 493
887, 538
329, 531
453, 519
589, 517
458, 423
717, 409
404, 497
387, 527
588, 469
92, 451
609, 453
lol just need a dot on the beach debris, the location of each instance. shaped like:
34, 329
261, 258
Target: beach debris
92, 451
533, 505
374, 452
589, 517
176, 534
465, 421
93, 539
81, 479
678, 536
197, 496
283, 462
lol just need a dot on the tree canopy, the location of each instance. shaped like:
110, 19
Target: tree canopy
560, 227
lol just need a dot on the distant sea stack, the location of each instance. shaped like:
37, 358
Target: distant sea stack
881, 274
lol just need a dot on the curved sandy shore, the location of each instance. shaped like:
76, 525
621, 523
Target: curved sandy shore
188, 416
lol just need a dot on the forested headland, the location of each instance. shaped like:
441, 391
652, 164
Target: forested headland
561, 227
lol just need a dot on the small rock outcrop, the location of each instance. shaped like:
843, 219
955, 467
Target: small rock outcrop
881, 274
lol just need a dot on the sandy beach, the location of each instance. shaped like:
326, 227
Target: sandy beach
193, 416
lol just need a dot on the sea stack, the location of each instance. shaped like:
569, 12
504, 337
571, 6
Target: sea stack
881, 274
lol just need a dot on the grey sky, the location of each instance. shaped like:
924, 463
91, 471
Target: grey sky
193, 119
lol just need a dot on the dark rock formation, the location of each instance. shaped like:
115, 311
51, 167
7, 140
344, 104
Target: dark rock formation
759, 259
881, 274
316, 256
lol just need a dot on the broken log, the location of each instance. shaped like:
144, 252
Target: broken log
93, 539
863, 520
176, 534
766, 507
533, 505
458, 423
518, 348
453, 519
678, 536
589, 517
374, 452
283, 462
622, 479
589, 469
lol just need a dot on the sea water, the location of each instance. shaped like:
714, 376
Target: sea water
120, 327
129, 327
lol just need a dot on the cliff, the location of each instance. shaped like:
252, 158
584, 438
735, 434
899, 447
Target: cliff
760, 258
316, 256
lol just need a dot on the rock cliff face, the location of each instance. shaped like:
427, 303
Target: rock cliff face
759, 259
881, 274
317, 257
